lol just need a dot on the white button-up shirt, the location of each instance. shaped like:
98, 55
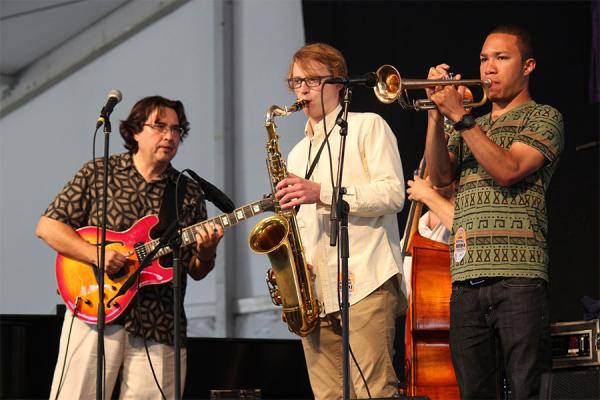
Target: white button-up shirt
439, 233
374, 182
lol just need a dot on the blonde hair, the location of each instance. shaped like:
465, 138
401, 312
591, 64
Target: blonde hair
320, 53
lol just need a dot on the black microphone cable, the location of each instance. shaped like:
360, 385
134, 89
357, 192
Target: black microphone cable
138, 311
74, 314
137, 300
138, 304
98, 231
62, 372
97, 271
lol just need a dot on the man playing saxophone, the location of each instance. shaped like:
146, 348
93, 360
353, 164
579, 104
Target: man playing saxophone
374, 185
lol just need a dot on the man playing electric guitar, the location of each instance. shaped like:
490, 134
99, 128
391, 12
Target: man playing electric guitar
139, 180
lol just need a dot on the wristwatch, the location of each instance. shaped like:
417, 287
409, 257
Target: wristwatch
466, 122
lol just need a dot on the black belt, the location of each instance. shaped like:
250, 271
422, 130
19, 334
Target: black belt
479, 282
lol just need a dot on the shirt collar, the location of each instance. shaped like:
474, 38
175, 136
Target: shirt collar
125, 162
318, 129
171, 173
528, 103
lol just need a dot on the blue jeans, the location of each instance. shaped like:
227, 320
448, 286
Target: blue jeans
500, 323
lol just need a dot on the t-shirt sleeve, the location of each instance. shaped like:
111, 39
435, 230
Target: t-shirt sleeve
454, 142
544, 131
72, 204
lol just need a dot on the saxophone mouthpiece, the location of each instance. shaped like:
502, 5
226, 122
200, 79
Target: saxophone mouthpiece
298, 105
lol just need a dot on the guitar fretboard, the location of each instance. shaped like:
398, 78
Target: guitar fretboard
224, 220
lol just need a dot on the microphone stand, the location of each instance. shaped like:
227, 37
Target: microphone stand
172, 238
339, 215
175, 244
101, 267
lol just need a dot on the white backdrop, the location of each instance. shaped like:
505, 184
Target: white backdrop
45, 141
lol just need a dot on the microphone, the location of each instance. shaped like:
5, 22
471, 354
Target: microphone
369, 79
214, 194
114, 96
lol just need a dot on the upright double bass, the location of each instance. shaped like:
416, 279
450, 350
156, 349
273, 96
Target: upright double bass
428, 369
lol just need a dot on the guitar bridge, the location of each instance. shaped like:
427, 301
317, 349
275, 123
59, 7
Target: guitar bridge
120, 273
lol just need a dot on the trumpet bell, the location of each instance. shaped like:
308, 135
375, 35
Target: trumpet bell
389, 84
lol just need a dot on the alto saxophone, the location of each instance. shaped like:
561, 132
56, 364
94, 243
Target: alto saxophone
278, 237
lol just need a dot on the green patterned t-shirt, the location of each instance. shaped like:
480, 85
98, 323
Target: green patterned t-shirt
501, 231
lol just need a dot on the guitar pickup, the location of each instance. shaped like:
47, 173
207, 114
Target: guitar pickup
119, 274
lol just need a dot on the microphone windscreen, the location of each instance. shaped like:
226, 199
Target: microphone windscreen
115, 94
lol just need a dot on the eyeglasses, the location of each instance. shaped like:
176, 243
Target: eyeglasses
311, 81
163, 128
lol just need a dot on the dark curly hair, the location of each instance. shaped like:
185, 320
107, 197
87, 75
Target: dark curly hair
140, 113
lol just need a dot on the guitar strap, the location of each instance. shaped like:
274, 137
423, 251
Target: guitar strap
167, 212
310, 170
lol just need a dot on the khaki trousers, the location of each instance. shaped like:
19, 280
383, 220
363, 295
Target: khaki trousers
372, 331
123, 353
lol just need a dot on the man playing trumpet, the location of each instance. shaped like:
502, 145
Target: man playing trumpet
502, 163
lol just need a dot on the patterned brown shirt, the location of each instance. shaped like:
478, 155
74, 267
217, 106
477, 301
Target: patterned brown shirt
130, 198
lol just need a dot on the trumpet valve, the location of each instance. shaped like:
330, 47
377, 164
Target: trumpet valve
468, 95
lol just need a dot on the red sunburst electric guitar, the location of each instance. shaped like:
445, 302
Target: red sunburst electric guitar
77, 283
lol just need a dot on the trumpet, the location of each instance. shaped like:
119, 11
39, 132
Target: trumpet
391, 87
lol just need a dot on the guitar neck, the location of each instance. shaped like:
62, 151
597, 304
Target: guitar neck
226, 220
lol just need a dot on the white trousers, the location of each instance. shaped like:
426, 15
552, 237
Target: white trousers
123, 353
